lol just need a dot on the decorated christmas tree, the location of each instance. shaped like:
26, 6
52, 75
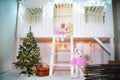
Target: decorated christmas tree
29, 54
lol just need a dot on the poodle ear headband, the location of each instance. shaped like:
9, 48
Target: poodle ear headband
79, 47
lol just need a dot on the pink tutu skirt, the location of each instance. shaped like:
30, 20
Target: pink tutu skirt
79, 61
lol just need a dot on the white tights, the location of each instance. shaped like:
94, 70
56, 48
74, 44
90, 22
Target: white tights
78, 71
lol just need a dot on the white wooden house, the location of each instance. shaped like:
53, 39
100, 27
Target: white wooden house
92, 25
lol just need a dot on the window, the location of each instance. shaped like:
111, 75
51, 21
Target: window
33, 15
94, 14
62, 15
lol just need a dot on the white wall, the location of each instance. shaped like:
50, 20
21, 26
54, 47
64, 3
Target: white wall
80, 27
95, 54
92, 29
8, 10
43, 29
45, 51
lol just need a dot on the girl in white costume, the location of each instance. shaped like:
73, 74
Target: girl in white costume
78, 61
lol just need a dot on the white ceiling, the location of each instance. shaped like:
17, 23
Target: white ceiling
41, 3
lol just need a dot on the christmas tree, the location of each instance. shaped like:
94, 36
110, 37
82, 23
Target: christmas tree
29, 54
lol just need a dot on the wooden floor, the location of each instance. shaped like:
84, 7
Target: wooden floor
58, 75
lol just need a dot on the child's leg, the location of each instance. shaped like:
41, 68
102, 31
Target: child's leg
81, 69
76, 71
72, 71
